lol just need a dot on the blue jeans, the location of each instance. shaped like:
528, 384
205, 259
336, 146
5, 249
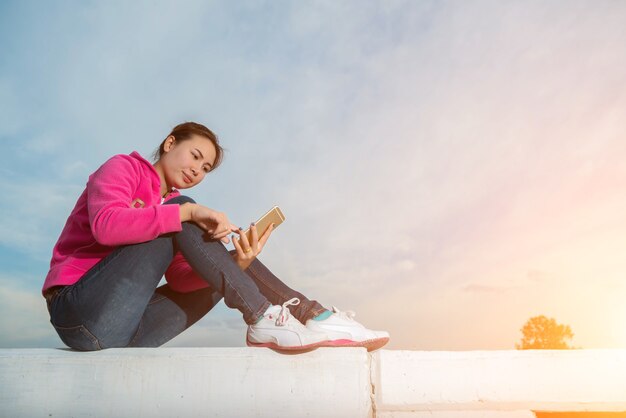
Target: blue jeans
117, 302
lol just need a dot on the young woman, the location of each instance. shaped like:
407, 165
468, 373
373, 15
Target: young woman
131, 226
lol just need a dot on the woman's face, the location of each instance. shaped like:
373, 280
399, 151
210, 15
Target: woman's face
186, 163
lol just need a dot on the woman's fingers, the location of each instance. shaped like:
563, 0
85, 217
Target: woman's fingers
223, 230
265, 236
222, 233
237, 244
215, 223
245, 245
255, 235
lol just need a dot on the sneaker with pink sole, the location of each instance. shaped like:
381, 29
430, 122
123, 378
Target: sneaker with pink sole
281, 331
344, 331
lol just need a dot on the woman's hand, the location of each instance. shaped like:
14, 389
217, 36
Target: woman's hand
247, 251
215, 223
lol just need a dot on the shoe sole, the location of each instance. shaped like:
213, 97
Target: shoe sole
370, 345
285, 349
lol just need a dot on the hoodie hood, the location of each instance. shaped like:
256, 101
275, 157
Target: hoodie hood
155, 178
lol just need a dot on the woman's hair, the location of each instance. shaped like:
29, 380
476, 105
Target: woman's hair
184, 131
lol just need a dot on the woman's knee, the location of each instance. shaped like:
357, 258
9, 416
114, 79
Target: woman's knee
180, 200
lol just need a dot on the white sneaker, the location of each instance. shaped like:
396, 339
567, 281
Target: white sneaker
344, 331
279, 330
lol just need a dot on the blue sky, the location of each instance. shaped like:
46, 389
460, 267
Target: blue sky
447, 169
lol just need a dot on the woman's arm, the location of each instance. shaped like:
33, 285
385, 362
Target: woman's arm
214, 222
113, 222
186, 210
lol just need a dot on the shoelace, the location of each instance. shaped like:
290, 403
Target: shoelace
346, 314
284, 313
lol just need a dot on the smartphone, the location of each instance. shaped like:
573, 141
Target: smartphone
273, 216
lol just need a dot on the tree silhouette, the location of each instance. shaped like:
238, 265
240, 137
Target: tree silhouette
544, 333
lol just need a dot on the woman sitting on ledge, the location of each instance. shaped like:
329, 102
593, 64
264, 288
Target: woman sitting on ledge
131, 226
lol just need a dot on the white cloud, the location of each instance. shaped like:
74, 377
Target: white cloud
25, 321
221, 327
35, 215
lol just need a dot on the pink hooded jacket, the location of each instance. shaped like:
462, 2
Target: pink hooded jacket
121, 205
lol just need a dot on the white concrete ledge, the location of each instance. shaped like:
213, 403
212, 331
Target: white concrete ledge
497, 383
184, 382
329, 382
